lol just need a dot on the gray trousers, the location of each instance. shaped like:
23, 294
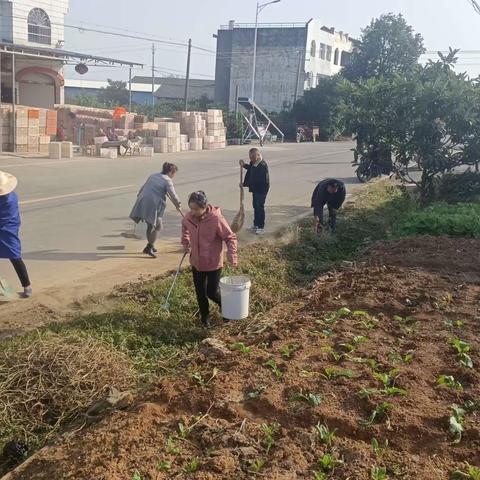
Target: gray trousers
152, 231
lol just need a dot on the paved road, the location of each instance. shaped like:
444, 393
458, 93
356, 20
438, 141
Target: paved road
74, 212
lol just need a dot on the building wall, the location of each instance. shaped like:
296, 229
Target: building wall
279, 51
6, 27
55, 9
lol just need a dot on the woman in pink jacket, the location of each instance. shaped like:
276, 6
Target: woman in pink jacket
204, 232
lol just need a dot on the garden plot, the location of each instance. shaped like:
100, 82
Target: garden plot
372, 374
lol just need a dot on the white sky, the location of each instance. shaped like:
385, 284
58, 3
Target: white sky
442, 23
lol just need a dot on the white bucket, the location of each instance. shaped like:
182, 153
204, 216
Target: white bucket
235, 292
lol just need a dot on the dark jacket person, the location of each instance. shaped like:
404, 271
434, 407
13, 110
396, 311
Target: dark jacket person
330, 192
257, 180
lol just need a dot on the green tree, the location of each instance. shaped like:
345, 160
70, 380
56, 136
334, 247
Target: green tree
115, 94
388, 46
323, 106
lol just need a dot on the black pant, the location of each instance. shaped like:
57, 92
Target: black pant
332, 215
259, 209
21, 270
207, 286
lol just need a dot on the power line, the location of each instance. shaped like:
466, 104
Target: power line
475, 5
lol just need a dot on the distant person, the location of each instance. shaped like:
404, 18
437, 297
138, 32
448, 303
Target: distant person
61, 136
151, 203
332, 193
257, 180
204, 232
111, 135
10, 246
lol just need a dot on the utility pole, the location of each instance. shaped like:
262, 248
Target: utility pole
130, 90
187, 77
153, 74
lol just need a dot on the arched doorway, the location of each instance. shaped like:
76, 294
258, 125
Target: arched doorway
39, 87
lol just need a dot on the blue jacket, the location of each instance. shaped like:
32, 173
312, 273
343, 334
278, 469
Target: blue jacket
9, 227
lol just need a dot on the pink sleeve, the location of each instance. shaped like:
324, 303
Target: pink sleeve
185, 235
230, 239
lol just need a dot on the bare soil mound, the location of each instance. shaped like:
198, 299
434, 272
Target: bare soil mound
360, 354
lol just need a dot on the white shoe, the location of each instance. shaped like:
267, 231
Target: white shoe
260, 231
27, 292
253, 229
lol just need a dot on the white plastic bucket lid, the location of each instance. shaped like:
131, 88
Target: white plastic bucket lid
239, 282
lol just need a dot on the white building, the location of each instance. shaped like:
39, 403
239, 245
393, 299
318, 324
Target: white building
33, 23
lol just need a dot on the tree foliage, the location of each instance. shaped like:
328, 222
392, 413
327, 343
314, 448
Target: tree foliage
388, 47
115, 94
323, 107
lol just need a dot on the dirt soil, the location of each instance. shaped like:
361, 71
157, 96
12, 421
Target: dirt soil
410, 295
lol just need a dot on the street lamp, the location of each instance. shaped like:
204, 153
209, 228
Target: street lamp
260, 7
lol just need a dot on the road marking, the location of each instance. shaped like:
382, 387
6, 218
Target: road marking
41, 164
71, 195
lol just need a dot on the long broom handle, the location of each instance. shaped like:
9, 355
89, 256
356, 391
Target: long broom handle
242, 194
175, 278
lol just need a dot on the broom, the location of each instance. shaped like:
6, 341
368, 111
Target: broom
239, 219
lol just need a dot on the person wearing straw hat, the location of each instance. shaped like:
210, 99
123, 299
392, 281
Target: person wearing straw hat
152, 202
10, 246
204, 232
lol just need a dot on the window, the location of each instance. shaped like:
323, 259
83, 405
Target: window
313, 50
39, 27
337, 57
329, 53
323, 51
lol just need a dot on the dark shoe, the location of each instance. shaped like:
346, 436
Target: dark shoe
148, 250
206, 322
154, 250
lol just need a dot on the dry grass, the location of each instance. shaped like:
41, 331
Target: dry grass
51, 380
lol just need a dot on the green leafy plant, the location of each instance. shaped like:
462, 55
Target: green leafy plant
449, 381
257, 465
327, 436
240, 346
164, 465
378, 473
379, 450
136, 475
365, 320
192, 466
197, 376
388, 380
320, 476
456, 422
257, 392
332, 373
368, 392
183, 431
462, 349
335, 355
288, 350
453, 324
311, 398
328, 462
472, 473
409, 356
172, 447
377, 415
269, 432
272, 364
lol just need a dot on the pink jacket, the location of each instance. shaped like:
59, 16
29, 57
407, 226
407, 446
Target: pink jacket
205, 238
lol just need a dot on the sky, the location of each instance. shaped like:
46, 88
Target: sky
443, 23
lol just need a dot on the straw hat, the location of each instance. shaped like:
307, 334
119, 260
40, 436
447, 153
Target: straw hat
8, 183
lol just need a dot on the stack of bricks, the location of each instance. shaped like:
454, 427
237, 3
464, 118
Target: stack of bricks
216, 132
21, 133
5, 128
169, 139
184, 143
33, 130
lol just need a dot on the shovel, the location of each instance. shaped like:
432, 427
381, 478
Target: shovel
239, 219
166, 305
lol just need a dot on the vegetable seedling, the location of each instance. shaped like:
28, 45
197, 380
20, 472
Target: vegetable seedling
451, 324
365, 320
326, 435
257, 465
241, 347
197, 376
328, 462
462, 349
320, 476
331, 373
136, 476
378, 449
192, 466
312, 399
164, 465
336, 356
449, 381
172, 447
378, 473
368, 392
472, 473
378, 414
456, 421
272, 364
183, 431
257, 392
269, 432
288, 350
